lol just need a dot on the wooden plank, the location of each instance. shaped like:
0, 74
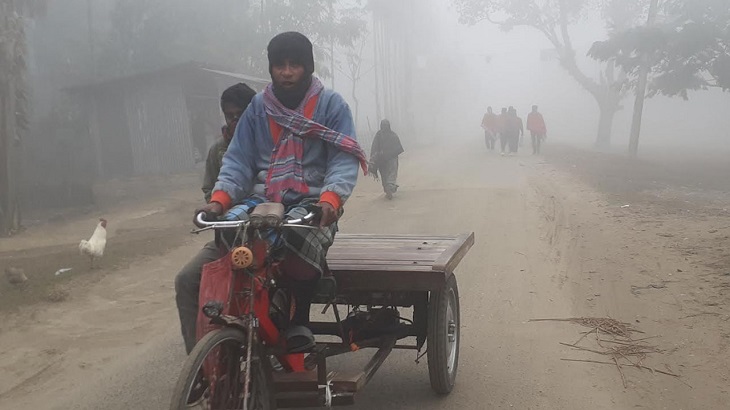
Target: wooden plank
307, 381
303, 381
420, 241
406, 237
416, 246
385, 256
358, 264
449, 259
374, 363
388, 249
384, 280
380, 264
344, 246
398, 258
362, 262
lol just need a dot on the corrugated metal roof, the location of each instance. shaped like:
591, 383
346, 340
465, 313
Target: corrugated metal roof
167, 71
238, 76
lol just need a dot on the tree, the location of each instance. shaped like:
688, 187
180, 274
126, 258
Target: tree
354, 71
149, 34
553, 18
13, 105
396, 39
688, 48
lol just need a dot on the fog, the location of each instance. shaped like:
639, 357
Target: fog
461, 68
420, 65
593, 266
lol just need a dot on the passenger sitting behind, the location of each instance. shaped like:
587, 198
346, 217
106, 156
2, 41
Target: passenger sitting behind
234, 102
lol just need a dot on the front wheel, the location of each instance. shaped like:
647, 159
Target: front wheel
443, 337
214, 374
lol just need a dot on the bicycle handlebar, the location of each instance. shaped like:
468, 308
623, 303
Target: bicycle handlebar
201, 223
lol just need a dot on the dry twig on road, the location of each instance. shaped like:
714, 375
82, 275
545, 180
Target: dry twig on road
603, 324
613, 339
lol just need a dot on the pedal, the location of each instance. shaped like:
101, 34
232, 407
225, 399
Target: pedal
299, 339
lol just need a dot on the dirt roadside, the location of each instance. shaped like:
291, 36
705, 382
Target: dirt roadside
144, 220
652, 242
550, 243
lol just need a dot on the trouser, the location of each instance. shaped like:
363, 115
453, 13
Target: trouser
503, 140
389, 175
514, 141
489, 139
536, 141
187, 288
509, 140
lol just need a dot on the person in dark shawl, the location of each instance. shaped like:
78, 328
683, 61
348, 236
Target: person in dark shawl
384, 156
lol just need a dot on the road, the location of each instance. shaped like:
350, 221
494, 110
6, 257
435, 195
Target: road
117, 345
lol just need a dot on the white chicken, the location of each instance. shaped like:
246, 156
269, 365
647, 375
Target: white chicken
94, 247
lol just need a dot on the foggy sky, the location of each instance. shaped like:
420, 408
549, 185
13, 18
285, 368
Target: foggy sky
517, 76
457, 55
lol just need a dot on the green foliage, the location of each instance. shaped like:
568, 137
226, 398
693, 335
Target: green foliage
687, 49
540, 14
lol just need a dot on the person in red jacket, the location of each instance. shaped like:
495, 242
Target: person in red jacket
537, 128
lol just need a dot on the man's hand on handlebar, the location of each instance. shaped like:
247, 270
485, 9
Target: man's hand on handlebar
329, 214
212, 211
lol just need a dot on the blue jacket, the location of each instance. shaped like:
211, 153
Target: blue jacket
325, 167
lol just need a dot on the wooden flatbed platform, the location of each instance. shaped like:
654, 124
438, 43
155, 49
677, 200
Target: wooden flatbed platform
362, 262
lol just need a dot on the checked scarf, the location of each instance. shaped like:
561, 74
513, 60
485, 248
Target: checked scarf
285, 169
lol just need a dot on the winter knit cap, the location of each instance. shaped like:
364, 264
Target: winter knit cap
293, 46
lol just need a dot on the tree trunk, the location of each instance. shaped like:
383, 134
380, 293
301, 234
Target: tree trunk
376, 69
354, 99
9, 154
605, 124
332, 61
4, 167
641, 91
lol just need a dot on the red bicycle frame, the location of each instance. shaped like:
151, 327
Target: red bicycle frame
238, 286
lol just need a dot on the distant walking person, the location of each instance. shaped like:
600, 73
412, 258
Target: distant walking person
502, 129
489, 124
520, 126
513, 130
384, 156
537, 128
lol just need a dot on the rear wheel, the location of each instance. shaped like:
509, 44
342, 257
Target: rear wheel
214, 374
443, 337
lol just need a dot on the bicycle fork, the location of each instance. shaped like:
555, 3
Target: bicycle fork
250, 329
